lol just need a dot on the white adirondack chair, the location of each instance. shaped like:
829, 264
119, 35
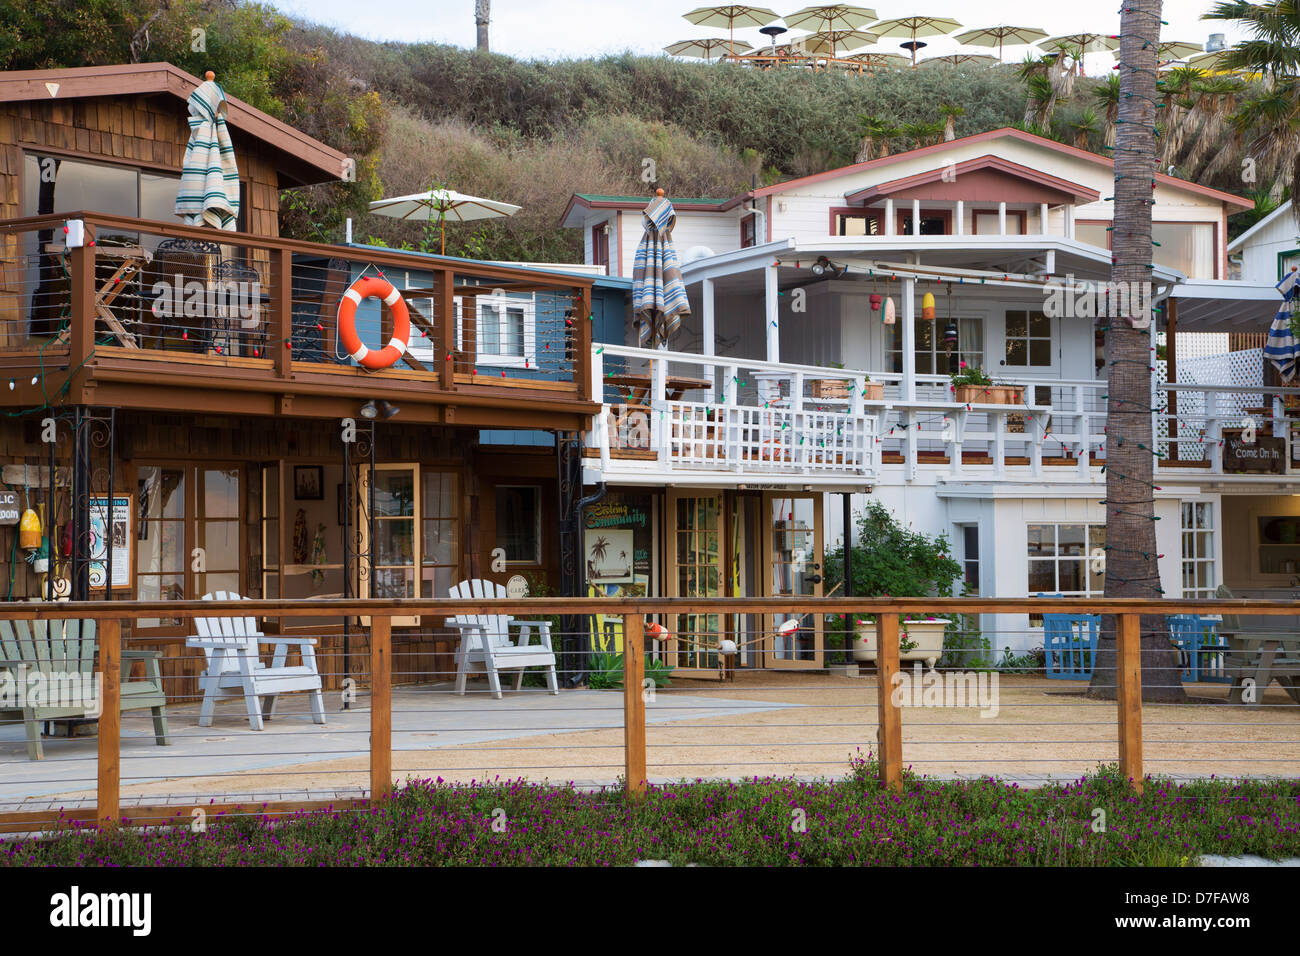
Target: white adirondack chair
235, 669
485, 641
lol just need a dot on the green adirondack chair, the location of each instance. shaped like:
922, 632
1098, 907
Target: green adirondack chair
63, 653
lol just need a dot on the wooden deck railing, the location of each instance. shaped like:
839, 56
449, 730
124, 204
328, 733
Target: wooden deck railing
1128, 613
96, 305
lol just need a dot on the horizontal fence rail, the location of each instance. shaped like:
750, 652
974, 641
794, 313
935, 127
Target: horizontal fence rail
678, 728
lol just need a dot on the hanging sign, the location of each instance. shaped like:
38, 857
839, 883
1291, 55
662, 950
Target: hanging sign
9, 509
110, 536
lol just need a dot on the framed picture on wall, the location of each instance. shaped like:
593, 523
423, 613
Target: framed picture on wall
309, 482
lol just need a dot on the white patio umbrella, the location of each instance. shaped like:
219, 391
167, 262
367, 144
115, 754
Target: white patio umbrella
445, 204
828, 41
1000, 36
731, 15
705, 47
914, 28
874, 60
209, 187
1087, 42
1177, 50
959, 59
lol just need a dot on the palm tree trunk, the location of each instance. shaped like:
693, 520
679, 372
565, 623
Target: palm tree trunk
1130, 556
482, 15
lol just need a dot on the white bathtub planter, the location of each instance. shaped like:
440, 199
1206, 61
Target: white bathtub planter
924, 634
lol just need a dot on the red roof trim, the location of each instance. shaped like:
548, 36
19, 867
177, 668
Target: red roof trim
987, 161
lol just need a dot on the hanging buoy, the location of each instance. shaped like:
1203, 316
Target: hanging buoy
890, 316
876, 299
29, 531
927, 306
365, 288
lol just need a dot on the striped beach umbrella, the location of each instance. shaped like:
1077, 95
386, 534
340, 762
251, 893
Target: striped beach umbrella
658, 292
209, 188
1280, 346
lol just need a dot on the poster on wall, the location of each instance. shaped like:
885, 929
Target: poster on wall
609, 554
624, 523
110, 533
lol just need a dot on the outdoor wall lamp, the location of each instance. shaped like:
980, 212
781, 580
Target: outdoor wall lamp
824, 266
382, 409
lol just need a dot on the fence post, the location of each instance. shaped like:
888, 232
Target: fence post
381, 708
108, 786
634, 703
1128, 665
890, 731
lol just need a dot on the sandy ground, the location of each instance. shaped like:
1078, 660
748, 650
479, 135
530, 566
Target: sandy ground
1041, 728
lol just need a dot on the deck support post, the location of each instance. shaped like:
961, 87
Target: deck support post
1128, 665
634, 704
381, 708
108, 786
772, 314
889, 710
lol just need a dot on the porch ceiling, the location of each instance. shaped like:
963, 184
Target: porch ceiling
1225, 306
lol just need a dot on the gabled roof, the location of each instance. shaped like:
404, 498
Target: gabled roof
588, 201
1044, 186
306, 159
1004, 133
1282, 210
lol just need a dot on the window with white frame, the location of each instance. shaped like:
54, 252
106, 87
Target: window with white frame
936, 354
1066, 559
1028, 339
1198, 549
505, 331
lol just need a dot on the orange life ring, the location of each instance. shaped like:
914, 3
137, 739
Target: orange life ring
365, 288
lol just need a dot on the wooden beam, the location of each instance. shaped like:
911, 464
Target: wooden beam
582, 338
81, 318
634, 758
109, 776
381, 709
444, 328
279, 321
1128, 663
889, 710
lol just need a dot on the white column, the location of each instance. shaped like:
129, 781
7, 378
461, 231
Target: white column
889, 218
772, 314
916, 217
959, 227
1068, 211
709, 345
1002, 219
1042, 218
909, 340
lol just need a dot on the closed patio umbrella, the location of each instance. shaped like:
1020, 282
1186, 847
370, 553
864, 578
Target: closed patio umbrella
1280, 346
658, 293
209, 188
448, 203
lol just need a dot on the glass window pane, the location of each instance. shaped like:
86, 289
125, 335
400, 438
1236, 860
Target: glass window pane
1041, 538
518, 522
220, 497
394, 494
1017, 324
1016, 352
1042, 577
1040, 326
220, 543
1070, 575
1040, 353
1070, 539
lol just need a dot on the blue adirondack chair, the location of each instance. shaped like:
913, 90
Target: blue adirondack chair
1202, 649
1069, 644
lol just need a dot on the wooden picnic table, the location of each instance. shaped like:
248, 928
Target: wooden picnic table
1262, 650
638, 386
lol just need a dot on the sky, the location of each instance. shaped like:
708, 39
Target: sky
556, 29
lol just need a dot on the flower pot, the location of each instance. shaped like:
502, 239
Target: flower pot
873, 391
834, 388
989, 394
927, 635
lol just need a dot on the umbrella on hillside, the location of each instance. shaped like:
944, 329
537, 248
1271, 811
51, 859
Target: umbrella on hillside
999, 36
873, 60
828, 41
915, 27
960, 59
1280, 346
1211, 62
731, 15
209, 188
705, 48
444, 204
830, 16
1176, 50
658, 293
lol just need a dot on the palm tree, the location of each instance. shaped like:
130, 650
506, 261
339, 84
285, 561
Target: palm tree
950, 112
888, 130
600, 548
1272, 120
1040, 103
482, 15
922, 134
1131, 567
868, 130
1107, 95
1083, 127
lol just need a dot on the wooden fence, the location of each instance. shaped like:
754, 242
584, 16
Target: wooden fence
888, 747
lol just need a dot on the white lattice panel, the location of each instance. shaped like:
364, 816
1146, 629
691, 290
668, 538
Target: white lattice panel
1243, 368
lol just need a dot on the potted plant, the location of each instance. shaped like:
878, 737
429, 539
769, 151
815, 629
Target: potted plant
841, 389
971, 386
890, 560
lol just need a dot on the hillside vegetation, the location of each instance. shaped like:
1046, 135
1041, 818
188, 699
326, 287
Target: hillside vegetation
534, 132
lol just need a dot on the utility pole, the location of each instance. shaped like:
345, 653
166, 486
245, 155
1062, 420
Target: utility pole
482, 14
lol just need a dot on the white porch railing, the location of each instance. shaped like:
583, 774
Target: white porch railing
681, 413
1230, 430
